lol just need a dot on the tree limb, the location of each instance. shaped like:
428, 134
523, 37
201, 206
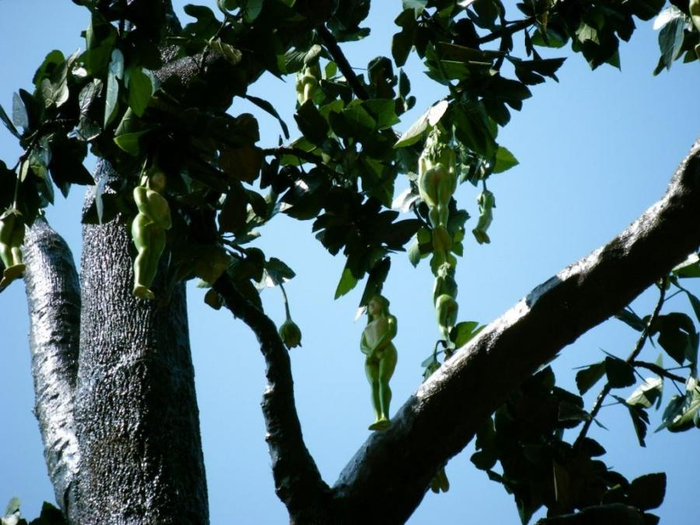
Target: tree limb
53, 297
342, 62
298, 482
389, 475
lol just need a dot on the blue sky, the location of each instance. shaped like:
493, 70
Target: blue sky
595, 151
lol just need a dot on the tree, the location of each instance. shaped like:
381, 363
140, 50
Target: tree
426, 438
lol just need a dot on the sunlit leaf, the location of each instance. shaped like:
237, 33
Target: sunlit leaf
430, 118
116, 72
347, 282
140, 90
648, 393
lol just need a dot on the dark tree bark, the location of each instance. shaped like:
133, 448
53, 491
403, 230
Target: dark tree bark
135, 406
53, 296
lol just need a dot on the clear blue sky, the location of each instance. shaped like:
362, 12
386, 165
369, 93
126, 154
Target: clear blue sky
595, 150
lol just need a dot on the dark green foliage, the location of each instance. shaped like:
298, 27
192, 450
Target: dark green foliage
341, 172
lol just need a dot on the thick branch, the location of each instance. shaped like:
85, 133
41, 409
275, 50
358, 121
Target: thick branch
388, 476
298, 482
53, 296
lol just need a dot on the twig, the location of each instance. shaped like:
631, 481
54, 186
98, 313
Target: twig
342, 62
658, 370
630, 360
300, 154
514, 28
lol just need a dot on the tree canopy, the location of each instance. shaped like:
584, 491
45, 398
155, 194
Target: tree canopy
149, 96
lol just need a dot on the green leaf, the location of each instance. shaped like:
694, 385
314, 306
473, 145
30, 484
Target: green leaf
505, 160
311, 123
382, 111
683, 412
648, 393
234, 210
242, 163
8, 123
12, 506
347, 283
416, 5
631, 319
268, 107
116, 72
140, 90
129, 142
695, 303
589, 376
484, 460
19, 112
402, 42
670, 42
430, 118
230, 53
50, 515
688, 268
211, 262
206, 25
52, 60
648, 491
213, 299
620, 373
475, 130
677, 335
252, 9
277, 271
464, 332
640, 420
353, 122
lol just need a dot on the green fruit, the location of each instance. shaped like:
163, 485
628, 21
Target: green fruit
290, 334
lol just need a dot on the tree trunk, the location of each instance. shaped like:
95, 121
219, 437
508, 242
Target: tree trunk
135, 406
53, 299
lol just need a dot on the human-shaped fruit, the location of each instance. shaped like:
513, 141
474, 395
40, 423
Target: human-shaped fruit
11, 239
437, 178
148, 231
381, 357
486, 202
308, 82
446, 309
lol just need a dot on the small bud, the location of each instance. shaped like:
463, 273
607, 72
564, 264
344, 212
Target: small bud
290, 334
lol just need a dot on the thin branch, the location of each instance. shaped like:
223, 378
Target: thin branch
659, 371
513, 28
298, 482
306, 156
630, 359
342, 62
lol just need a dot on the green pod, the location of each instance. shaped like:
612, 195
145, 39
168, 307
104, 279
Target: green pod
290, 334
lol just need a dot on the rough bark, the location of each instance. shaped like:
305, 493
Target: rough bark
388, 477
298, 482
135, 407
53, 297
